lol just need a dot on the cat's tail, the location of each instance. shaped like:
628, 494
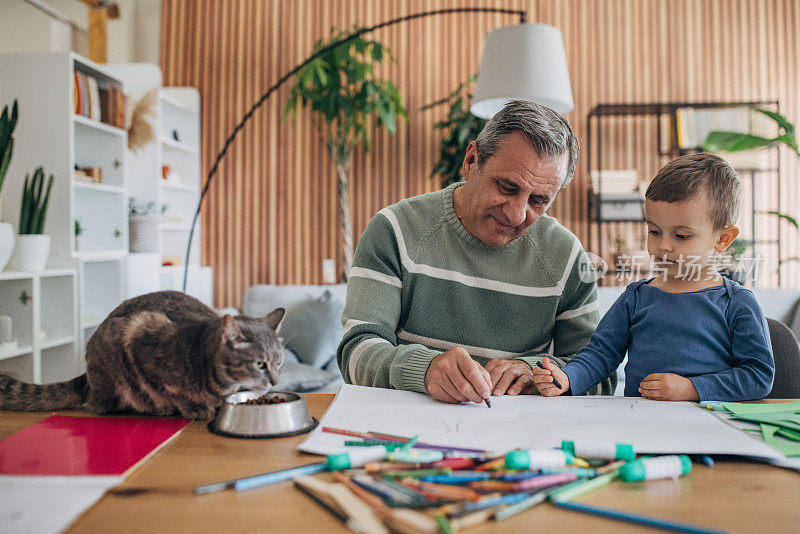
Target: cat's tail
21, 396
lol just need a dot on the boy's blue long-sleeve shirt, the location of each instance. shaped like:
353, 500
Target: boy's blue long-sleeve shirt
717, 337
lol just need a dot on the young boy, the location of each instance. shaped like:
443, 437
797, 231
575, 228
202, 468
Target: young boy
690, 334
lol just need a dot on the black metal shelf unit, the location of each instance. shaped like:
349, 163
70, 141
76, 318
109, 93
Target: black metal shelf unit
594, 142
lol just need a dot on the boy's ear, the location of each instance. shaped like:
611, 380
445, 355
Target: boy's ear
729, 233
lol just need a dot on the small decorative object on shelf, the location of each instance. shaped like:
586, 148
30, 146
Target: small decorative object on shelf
142, 132
79, 229
33, 247
142, 226
176, 136
7, 125
89, 175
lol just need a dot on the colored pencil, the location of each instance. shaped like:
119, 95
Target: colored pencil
262, 479
634, 518
579, 487
610, 467
389, 437
514, 509
455, 463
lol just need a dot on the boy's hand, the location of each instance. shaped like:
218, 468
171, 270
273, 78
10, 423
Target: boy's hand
543, 378
669, 387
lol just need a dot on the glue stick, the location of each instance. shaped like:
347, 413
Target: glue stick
355, 458
671, 466
602, 450
537, 459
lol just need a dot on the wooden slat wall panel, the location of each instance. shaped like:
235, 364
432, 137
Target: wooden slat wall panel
271, 215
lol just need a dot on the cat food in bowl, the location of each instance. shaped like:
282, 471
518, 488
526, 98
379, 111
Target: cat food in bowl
275, 414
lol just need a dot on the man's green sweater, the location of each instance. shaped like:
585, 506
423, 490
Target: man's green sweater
421, 284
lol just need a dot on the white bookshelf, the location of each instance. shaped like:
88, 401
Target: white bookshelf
49, 134
44, 310
177, 115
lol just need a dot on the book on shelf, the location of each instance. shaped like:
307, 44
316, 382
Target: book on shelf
104, 103
694, 124
613, 181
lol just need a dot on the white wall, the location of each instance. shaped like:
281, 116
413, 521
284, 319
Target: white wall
134, 37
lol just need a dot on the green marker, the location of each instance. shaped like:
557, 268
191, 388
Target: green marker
537, 459
671, 466
601, 450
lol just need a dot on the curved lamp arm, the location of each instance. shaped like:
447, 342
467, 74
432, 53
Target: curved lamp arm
213, 171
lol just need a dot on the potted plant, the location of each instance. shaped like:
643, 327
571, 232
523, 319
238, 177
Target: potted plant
341, 88
620, 258
33, 247
79, 229
733, 142
7, 125
142, 226
461, 127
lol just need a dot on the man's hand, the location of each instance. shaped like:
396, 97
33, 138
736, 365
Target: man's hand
543, 378
669, 387
509, 376
454, 376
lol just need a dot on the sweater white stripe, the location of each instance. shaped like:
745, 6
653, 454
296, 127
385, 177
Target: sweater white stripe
358, 350
473, 281
472, 350
576, 248
375, 275
353, 322
569, 314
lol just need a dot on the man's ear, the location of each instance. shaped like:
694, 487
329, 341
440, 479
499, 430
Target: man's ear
729, 233
470, 160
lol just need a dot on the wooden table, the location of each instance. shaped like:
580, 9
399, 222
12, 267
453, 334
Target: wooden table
731, 496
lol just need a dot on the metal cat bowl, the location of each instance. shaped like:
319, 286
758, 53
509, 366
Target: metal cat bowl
239, 420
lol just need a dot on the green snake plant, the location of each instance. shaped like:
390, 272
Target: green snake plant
7, 125
34, 203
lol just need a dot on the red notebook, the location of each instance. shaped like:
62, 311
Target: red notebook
63, 445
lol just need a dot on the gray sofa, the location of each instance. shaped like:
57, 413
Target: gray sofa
310, 312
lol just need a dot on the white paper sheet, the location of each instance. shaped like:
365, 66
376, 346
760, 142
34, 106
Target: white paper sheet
48, 504
532, 421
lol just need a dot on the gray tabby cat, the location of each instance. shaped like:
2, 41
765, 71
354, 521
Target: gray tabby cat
160, 354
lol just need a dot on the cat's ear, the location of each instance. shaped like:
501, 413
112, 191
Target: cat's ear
230, 330
275, 318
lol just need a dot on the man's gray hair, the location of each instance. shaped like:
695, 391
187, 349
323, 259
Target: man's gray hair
549, 133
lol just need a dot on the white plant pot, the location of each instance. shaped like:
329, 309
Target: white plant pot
143, 233
31, 253
6, 243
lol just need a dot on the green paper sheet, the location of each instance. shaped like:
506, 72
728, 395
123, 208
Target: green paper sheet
789, 434
740, 408
788, 448
788, 420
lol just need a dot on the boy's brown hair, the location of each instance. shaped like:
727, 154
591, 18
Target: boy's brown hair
688, 176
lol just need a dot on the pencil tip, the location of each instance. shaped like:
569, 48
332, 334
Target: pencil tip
488, 402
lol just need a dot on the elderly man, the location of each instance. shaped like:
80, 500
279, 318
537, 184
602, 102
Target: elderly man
458, 293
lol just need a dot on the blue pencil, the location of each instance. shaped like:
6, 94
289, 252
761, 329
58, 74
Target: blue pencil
263, 479
634, 518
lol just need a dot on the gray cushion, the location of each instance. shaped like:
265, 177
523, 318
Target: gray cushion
333, 367
313, 329
261, 299
290, 356
301, 377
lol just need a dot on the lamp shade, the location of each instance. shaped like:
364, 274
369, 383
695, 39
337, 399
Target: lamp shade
523, 62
